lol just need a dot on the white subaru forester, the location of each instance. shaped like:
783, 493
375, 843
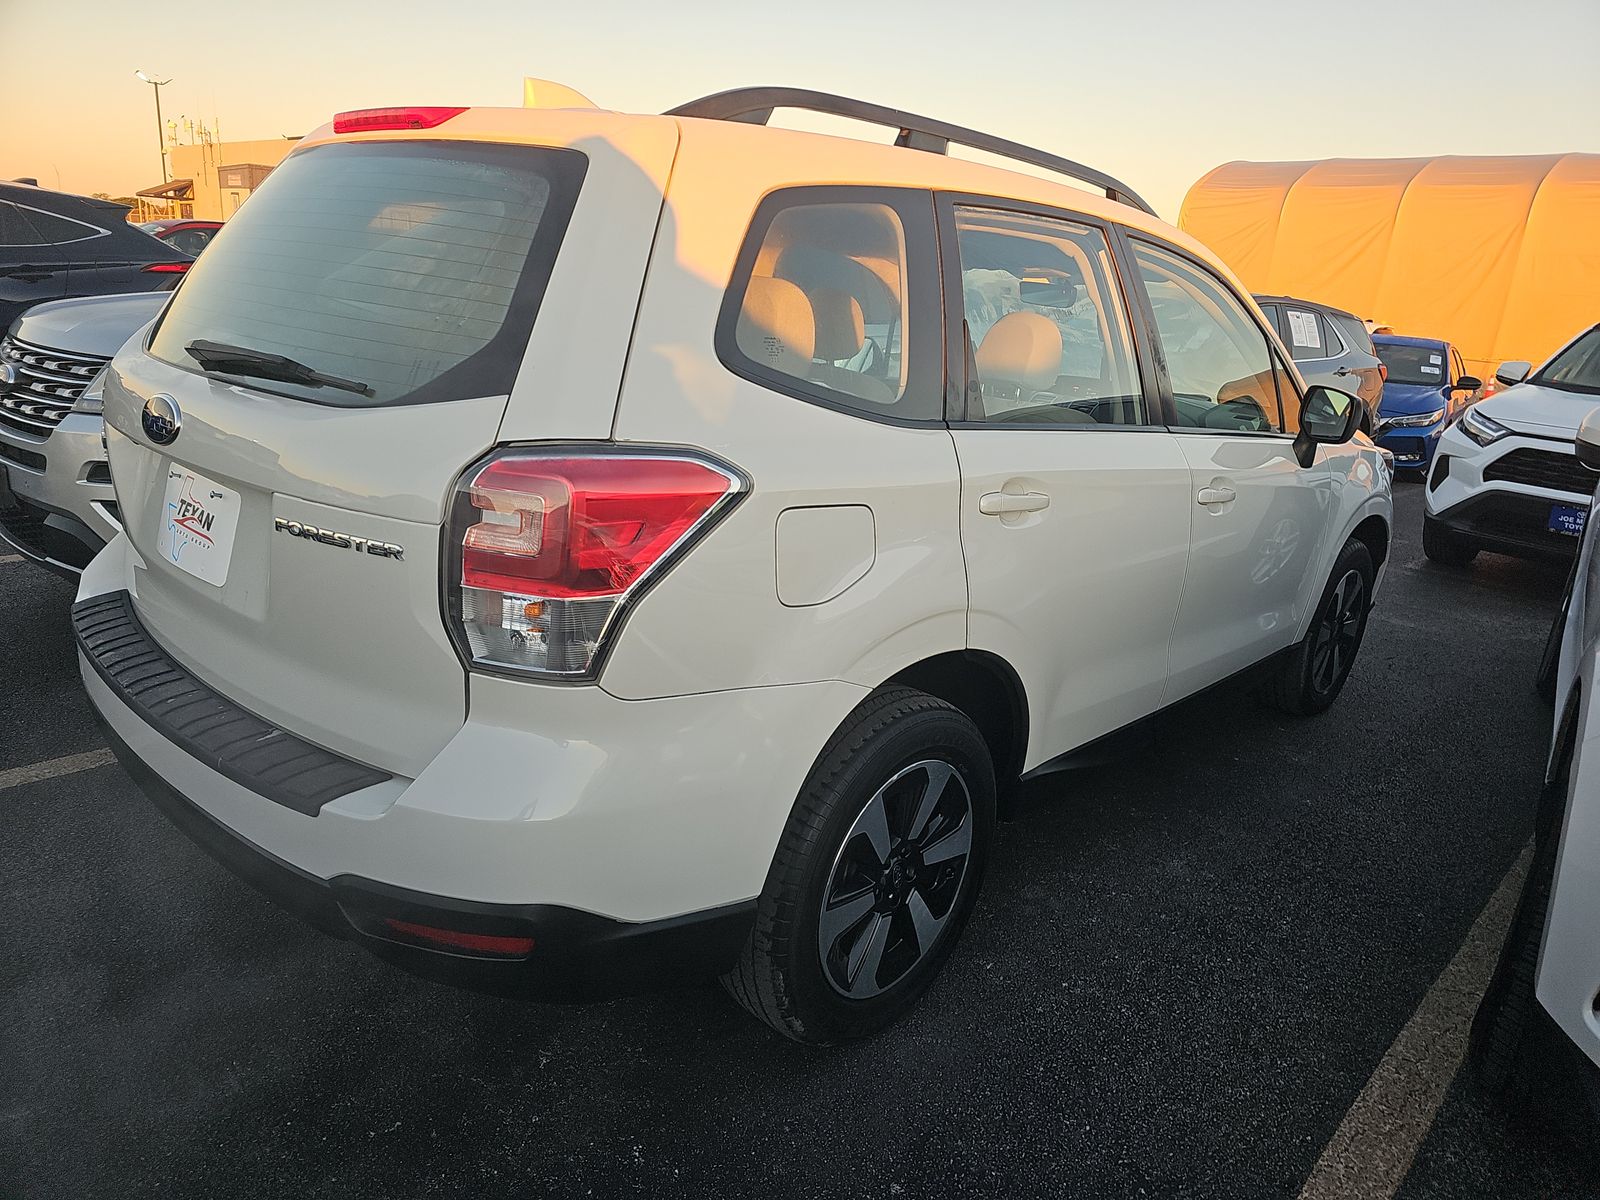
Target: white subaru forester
566, 551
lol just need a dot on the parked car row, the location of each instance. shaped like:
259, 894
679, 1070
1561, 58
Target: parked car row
54, 245
567, 638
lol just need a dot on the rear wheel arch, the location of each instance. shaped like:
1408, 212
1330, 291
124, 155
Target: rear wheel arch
988, 690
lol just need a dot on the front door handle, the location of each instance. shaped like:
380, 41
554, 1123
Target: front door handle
998, 504
1216, 495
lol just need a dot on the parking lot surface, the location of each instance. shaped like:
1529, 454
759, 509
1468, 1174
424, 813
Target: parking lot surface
1187, 964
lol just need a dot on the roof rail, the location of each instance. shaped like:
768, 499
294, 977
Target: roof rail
754, 106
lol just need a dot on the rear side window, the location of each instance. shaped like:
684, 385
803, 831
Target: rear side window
1045, 323
21, 225
1306, 339
835, 300
415, 269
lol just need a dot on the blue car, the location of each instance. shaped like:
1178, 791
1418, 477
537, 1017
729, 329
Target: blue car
1425, 388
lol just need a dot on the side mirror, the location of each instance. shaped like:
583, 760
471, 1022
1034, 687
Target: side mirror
1327, 418
1467, 383
1513, 372
1589, 440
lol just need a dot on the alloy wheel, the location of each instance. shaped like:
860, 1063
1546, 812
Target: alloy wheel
1338, 631
896, 879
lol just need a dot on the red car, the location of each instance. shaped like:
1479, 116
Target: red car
183, 233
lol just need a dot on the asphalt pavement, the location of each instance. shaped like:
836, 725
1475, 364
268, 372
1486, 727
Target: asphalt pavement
1188, 964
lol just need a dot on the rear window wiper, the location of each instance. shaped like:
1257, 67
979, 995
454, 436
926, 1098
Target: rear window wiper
241, 360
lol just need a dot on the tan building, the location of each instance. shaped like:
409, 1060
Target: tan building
211, 179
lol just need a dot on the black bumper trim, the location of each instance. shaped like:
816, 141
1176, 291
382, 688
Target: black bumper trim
253, 753
577, 955
1510, 523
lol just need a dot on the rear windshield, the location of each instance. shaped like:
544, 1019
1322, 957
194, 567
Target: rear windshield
412, 271
1577, 368
1414, 364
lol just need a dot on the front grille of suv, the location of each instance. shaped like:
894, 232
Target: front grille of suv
1545, 469
48, 383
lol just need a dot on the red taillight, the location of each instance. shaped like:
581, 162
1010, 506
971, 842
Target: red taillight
550, 546
455, 939
362, 119
171, 268
1383, 372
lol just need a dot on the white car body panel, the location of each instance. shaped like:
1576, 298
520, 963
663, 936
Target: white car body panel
1568, 981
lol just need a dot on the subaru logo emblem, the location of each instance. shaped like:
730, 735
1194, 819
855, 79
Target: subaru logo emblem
8, 376
162, 419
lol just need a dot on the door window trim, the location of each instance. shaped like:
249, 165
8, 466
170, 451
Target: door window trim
924, 367
1152, 334
957, 357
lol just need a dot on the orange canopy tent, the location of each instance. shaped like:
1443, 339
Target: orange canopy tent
1499, 255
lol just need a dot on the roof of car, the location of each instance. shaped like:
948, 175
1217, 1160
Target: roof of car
1396, 339
1327, 308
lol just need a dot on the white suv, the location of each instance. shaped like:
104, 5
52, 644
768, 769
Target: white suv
1506, 476
567, 550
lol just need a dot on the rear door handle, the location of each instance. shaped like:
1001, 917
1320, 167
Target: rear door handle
998, 504
1216, 495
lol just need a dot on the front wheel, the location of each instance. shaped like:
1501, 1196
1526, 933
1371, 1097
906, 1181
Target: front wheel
876, 872
1308, 678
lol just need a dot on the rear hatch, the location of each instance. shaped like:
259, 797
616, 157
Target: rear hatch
286, 443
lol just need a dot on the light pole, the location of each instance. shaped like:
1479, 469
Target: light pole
161, 135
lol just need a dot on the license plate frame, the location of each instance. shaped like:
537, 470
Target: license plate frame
198, 523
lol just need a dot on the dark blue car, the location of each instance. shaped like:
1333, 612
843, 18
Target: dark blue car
1425, 389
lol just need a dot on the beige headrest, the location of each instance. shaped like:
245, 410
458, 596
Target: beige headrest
841, 328
776, 327
1023, 350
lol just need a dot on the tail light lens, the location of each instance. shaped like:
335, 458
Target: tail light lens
167, 268
1383, 372
549, 547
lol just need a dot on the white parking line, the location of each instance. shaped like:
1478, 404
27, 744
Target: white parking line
1368, 1156
51, 767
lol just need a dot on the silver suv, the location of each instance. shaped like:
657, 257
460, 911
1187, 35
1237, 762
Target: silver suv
56, 500
1331, 347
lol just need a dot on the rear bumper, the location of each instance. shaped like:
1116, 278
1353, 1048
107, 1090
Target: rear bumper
575, 955
626, 839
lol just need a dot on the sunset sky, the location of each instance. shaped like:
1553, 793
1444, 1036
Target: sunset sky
1156, 93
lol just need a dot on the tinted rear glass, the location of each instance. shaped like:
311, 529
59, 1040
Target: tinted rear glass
415, 268
1413, 364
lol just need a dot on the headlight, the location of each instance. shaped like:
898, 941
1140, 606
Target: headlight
93, 397
1482, 429
1416, 422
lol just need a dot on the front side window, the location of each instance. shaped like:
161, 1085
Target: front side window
830, 303
1577, 368
1046, 329
1223, 373
410, 272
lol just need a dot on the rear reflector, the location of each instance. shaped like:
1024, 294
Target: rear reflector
362, 119
548, 547
172, 268
455, 939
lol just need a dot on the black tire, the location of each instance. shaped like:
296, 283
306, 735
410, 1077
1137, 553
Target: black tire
1445, 547
782, 978
1300, 681
1549, 662
1512, 1047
